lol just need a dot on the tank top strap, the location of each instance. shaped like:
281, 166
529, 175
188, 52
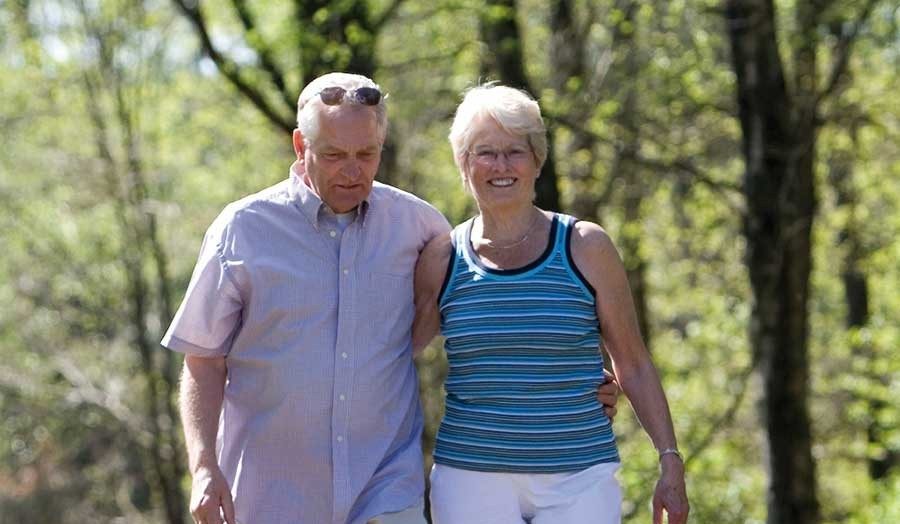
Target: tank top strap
567, 224
460, 236
563, 225
458, 239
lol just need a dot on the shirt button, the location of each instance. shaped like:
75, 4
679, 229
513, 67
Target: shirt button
343, 355
333, 233
346, 271
340, 438
342, 397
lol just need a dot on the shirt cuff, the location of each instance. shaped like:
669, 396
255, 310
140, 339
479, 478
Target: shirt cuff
179, 345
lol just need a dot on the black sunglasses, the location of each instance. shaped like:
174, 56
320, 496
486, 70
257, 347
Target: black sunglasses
367, 96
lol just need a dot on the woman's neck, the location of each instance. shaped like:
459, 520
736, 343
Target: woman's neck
498, 229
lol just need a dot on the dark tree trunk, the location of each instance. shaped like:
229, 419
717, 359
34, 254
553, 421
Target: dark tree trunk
856, 294
360, 50
626, 167
567, 44
315, 34
778, 147
503, 57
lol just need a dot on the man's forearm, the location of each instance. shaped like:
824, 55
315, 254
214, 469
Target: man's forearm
202, 391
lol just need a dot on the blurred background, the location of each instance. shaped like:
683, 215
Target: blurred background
744, 155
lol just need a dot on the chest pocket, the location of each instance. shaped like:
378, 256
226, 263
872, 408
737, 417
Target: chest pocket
390, 311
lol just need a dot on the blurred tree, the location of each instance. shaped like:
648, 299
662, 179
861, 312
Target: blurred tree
625, 165
779, 124
322, 37
502, 58
144, 261
858, 317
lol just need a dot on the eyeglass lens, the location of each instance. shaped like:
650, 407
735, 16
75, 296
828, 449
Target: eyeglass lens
333, 96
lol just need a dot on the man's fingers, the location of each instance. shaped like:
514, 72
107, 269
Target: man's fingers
610, 411
207, 511
228, 508
213, 516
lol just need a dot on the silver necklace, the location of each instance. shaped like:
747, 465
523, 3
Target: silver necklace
491, 245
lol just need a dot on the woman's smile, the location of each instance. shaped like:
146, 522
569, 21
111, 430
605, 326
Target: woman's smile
502, 182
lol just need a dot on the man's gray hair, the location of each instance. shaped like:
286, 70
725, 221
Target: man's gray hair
514, 110
310, 106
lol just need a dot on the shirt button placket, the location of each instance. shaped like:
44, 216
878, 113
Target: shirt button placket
344, 371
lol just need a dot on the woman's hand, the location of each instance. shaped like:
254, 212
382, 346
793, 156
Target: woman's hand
670, 495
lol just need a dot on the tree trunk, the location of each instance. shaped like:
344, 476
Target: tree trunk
503, 57
160, 378
567, 56
778, 147
624, 166
126, 188
856, 294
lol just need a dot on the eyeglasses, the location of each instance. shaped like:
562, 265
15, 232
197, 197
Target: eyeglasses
491, 157
333, 96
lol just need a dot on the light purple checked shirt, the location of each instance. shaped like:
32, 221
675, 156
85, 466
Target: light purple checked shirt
321, 420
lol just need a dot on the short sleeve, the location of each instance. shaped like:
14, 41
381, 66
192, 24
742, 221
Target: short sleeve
210, 313
435, 223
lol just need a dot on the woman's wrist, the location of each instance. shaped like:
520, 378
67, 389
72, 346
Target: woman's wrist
670, 452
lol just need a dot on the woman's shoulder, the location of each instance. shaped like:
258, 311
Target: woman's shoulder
590, 236
594, 253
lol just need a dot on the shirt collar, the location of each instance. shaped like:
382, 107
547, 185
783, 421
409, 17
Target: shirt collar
309, 203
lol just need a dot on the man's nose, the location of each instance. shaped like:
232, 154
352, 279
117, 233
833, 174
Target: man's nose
352, 168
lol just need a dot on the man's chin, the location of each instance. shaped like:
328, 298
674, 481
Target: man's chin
344, 205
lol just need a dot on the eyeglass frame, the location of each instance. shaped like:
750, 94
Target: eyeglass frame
478, 158
335, 95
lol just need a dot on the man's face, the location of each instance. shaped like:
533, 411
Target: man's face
341, 164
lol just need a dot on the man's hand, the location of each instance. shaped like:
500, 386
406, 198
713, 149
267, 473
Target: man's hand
670, 495
209, 493
608, 394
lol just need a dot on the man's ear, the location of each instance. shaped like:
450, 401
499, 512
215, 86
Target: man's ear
299, 144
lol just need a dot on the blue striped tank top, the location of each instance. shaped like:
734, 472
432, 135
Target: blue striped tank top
524, 363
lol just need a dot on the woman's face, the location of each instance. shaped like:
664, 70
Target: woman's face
500, 168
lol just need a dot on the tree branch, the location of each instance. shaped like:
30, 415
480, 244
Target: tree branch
680, 165
415, 61
264, 51
727, 417
231, 70
386, 15
842, 52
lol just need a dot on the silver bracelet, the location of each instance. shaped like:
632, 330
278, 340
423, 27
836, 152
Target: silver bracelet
671, 451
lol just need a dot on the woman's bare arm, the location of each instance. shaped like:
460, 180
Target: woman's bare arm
431, 270
596, 257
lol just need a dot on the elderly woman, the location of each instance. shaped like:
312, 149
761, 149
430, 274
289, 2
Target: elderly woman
522, 296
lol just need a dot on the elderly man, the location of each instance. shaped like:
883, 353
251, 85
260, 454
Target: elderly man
299, 394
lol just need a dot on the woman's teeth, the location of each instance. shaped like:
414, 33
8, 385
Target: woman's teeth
502, 182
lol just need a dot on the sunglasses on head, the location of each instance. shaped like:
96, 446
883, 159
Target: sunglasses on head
367, 96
